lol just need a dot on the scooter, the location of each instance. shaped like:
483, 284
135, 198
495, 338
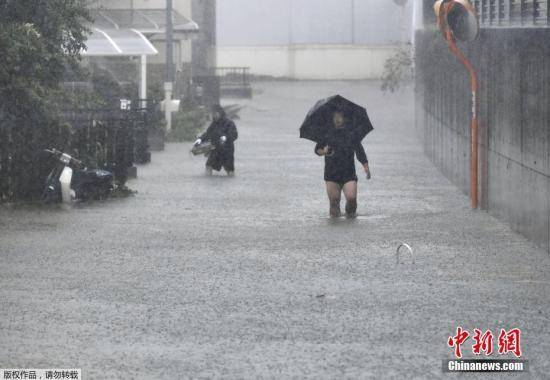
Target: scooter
70, 181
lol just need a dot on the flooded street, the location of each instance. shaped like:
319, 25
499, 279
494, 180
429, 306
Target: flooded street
248, 277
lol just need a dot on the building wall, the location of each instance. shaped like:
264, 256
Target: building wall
182, 6
182, 48
182, 53
514, 71
310, 39
309, 61
283, 22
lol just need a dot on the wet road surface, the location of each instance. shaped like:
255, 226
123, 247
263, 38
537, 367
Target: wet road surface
248, 277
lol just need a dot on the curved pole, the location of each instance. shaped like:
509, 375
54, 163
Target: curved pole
473, 126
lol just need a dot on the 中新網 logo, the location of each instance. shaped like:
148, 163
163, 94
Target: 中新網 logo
508, 342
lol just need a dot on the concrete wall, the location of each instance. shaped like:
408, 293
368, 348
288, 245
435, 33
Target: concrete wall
514, 71
283, 22
309, 61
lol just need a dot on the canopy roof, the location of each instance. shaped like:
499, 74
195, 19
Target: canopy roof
147, 21
118, 42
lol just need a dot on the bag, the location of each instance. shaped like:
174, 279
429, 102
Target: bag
202, 148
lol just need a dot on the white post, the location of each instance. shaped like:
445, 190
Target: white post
168, 105
169, 79
143, 84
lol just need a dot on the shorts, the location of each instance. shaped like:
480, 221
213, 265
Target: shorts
341, 180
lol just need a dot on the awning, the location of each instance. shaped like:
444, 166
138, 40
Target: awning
147, 21
118, 42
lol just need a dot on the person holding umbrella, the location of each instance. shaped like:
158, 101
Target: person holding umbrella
338, 126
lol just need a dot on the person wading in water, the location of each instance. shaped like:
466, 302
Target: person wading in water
339, 149
222, 133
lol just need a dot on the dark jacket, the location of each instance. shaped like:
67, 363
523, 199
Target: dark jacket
223, 155
340, 163
218, 128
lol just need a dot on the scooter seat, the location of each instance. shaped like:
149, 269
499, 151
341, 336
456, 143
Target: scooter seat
94, 176
99, 173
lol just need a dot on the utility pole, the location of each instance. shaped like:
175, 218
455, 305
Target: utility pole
290, 21
169, 74
291, 50
403, 25
352, 22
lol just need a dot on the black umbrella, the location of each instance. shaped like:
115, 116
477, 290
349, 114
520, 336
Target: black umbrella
319, 119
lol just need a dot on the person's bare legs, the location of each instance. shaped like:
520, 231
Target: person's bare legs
333, 191
350, 192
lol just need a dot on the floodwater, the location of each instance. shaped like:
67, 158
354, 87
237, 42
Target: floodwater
248, 277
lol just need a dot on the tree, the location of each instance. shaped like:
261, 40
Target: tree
39, 39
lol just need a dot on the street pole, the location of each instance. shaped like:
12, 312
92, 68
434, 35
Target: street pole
403, 26
291, 50
352, 22
290, 20
143, 84
465, 32
169, 73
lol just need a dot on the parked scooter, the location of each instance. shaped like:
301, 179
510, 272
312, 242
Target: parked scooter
70, 180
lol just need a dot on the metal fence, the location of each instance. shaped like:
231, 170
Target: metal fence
112, 139
512, 13
104, 139
234, 81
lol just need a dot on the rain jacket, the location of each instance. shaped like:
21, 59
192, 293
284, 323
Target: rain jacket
223, 155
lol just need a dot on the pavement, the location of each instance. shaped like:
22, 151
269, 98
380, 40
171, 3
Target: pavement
247, 277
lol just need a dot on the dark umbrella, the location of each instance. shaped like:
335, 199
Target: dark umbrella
319, 119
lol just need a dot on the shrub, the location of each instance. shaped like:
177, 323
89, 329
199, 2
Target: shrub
398, 70
188, 122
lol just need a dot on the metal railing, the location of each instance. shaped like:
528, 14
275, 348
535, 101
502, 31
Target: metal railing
234, 81
512, 13
109, 138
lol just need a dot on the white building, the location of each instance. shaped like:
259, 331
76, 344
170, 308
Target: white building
311, 39
121, 26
